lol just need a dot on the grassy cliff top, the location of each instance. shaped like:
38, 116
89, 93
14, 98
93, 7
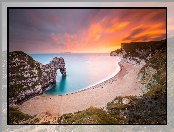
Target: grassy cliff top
154, 45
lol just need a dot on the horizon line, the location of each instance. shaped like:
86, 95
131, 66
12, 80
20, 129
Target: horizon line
61, 52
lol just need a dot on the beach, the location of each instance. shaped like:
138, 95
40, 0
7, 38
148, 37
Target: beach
124, 83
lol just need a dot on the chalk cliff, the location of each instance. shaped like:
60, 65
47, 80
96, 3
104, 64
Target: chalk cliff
150, 56
28, 78
138, 53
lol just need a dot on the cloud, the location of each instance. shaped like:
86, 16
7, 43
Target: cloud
116, 27
64, 41
83, 29
104, 26
33, 17
53, 38
70, 41
135, 31
94, 31
51, 17
156, 15
145, 32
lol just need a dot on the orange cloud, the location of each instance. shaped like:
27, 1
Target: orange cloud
115, 20
100, 36
116, 27
147, 32
70, 41
94, 31
161, 25
104, 21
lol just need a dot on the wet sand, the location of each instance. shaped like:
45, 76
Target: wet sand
124, 83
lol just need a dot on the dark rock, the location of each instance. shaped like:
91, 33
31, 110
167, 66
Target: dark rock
28, 78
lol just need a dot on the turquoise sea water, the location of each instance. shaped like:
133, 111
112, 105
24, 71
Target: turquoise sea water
82, 70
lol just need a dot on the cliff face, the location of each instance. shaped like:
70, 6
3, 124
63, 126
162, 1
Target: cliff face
150, 56
28, 77
138, 53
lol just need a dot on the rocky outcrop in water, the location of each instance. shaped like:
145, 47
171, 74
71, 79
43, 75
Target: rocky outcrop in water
28, 78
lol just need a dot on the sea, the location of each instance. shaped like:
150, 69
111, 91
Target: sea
83, 70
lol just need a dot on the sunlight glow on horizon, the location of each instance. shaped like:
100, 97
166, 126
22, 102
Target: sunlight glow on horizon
83, 31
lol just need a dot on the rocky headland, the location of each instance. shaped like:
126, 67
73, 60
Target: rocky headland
28, 78
150, 56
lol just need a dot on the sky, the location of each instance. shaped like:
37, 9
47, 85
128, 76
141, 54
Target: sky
82, 30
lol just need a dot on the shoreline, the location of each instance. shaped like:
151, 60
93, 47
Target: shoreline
124, 83
95, 85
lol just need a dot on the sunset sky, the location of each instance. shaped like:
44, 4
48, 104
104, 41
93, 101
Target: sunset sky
82, 30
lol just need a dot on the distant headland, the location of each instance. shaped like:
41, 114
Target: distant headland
66, 52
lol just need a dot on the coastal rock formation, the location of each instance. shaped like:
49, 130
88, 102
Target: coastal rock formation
154, 72
138, 53
150, 56
28, 78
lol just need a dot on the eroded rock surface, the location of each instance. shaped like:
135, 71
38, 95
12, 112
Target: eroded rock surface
150, 57
28, 78
139, 53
